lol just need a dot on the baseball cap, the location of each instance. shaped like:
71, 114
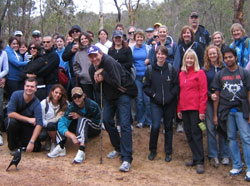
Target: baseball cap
36, 33
18, 33
149, 29
93, 50
157, 24
117, 33
76, 90
194, 14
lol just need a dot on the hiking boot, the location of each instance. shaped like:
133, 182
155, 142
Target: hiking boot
52, 147
113, 154
139, 125
168, 158
225, 161
151, 156
58, 151
1, 140
180, 127
190, 163
215, 162
235, 172
247, 177
125, 167
80, 156
200, 169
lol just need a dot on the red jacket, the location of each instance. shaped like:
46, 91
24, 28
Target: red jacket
193, 91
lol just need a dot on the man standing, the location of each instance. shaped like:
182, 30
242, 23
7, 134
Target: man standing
88, 115
231, 108
24, 121
36, 36
202, 36
107, 74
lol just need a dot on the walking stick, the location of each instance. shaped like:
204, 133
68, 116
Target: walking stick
101, 124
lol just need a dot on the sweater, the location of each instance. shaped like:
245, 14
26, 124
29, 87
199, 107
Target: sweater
140, 55
4, 66
193, 91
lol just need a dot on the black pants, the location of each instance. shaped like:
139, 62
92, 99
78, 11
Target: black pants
193, 134
19, 134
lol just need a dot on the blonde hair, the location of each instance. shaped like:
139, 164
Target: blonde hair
221, 35
207, 62
196, 62
238, 25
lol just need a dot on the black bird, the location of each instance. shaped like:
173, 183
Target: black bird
16, 159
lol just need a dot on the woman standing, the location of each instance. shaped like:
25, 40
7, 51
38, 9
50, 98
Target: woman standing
53, 108
241, 44
213, 64
82, 64
16, 65
187, 41
131, 36
218, 40
161, 85
192, 106
4, 69
104, 44
140, 53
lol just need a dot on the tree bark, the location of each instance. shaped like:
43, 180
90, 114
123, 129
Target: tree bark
118, 11
101, 14
7, 5
238, 11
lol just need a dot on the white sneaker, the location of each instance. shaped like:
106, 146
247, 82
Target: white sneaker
52, 147
125, 167
1, 140
247, 177
225, 161
139, 125
180, 128
234, 172
113, 154
80, 156
58, 151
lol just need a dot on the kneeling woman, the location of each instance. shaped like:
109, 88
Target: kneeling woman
192, 105
53, 108
161, 86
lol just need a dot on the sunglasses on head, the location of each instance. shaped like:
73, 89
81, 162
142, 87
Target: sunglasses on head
77, 96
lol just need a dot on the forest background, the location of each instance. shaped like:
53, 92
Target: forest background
50, 16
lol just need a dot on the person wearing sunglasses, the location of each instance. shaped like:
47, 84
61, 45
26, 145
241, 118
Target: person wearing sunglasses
131, 32
80, 121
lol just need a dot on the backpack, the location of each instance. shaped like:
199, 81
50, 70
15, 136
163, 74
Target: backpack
149, 67
62, 76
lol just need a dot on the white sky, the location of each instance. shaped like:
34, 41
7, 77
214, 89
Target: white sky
108, 5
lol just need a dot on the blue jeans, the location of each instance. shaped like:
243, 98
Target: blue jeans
143, 113
212, 147
235, 120
121, 107
167, 112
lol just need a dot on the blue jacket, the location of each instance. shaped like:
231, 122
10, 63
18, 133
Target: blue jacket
16, 64
91, 111
64, 64
242, 51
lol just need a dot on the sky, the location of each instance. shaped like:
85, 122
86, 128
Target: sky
93, 5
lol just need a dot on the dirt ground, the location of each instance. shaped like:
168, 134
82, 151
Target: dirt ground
37, 169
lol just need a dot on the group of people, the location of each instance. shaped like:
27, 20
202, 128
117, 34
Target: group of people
145, 77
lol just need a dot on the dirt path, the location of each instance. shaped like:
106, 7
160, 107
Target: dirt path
37, 169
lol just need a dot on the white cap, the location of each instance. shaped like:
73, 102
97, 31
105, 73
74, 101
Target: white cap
18, 32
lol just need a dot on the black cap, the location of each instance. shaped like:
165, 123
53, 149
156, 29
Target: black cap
75, 27
194, 14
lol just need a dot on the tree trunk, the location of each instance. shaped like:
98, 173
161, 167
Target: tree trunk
101, 14
3, 15
238, 11
24, 3
118, 11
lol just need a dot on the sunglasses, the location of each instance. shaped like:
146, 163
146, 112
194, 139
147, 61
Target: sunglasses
33, 48
74, 31
155, 37
131, 33
77, 96
46, 41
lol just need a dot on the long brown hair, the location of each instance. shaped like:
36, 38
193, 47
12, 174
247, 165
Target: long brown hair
207, 62
63, 101
184, 29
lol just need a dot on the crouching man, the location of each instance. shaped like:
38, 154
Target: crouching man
24, 122
87, 113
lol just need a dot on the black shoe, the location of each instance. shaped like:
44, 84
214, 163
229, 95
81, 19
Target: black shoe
168, 158
200, 169
151, 156
190, 163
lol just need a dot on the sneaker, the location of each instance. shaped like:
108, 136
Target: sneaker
53, 145
225, 161
47, 145
58, 151
200, 169
235, 172
190, 163
113, 154
247, 177
125, 167
103, 127
180, 128
118, 128
1, 140
151, 156
80, 156
132, 128
215, 162
139, 125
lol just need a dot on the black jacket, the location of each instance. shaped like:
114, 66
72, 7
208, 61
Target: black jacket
162, 85
68, 55
50, 70
202, 36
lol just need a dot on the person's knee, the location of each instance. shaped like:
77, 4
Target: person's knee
52, 126
11, 124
